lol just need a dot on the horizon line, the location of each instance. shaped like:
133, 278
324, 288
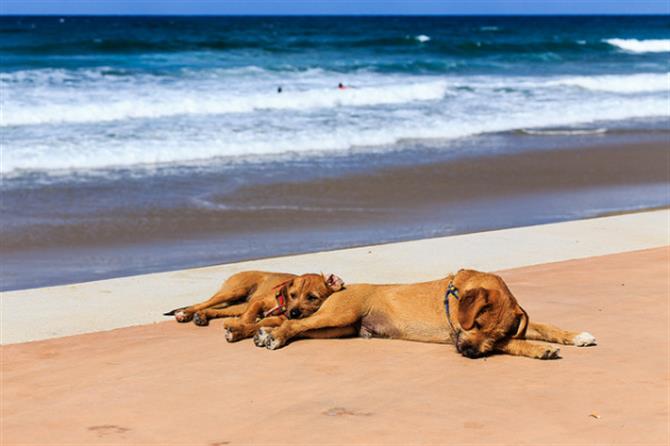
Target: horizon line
84, 14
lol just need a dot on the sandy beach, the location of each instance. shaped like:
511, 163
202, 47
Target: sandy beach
169, 383
179, 384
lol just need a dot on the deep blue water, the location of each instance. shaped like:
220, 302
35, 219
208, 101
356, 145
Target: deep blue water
470, 45
95, 92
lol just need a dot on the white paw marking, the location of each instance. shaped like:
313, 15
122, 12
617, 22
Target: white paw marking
261, 337
272, 343
584, 339
228, 334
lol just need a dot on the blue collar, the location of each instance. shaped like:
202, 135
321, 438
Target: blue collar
451, 291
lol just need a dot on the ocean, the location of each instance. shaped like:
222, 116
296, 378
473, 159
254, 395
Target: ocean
128, 142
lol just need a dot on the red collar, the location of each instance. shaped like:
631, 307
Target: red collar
280, 308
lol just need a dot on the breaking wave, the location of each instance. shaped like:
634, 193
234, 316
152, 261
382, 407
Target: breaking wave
641, 46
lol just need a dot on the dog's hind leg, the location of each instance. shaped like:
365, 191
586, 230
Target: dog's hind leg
227, 294
549, 333
202, 317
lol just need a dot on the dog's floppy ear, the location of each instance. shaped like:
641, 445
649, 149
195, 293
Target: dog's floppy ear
283, 287
469, 306
335, 283
523, 325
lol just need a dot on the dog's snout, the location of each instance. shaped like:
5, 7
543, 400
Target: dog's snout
468, 350
295, 313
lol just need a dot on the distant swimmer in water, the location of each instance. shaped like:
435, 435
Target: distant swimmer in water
341, 86
279, 89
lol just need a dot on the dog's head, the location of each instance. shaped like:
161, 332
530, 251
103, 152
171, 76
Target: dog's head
486, 314
305, 294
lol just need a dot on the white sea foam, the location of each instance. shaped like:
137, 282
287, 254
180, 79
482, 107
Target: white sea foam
87, 119
564, 132
372, 131
641, 46
162, 102
422, 38
629, 83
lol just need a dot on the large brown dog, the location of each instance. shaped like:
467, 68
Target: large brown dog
253, 294
473, 310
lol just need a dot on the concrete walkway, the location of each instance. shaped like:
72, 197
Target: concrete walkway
43, 313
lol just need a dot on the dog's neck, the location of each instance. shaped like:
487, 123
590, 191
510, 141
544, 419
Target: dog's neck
451, 293
280, 308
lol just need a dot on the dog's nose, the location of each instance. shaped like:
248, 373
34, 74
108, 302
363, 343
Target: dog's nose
295, 313
470, 352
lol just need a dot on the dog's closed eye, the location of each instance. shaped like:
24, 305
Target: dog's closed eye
312, 298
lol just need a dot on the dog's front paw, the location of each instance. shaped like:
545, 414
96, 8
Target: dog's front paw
550, 353
261, 337
183, 316
232, 335
200, 319
584, 339
273, 343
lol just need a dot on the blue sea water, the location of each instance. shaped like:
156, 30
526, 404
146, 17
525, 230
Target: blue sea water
97, 92
138, 144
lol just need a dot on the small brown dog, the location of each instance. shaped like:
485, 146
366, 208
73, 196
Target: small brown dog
253, 294
473, 310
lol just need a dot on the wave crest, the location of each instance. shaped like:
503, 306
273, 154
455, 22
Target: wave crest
629, 83
641, 46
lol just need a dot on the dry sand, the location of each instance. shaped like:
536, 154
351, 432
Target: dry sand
169, 383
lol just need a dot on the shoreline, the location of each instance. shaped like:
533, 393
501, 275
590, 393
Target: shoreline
181, 222
136, 300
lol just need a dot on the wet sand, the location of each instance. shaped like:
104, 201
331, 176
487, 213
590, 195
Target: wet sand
168, 383
370, 197
165, 223
453, 182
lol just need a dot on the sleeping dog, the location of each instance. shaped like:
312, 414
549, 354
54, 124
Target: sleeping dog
253, 294
475, 311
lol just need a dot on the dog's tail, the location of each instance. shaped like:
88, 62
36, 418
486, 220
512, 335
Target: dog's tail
172, 312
